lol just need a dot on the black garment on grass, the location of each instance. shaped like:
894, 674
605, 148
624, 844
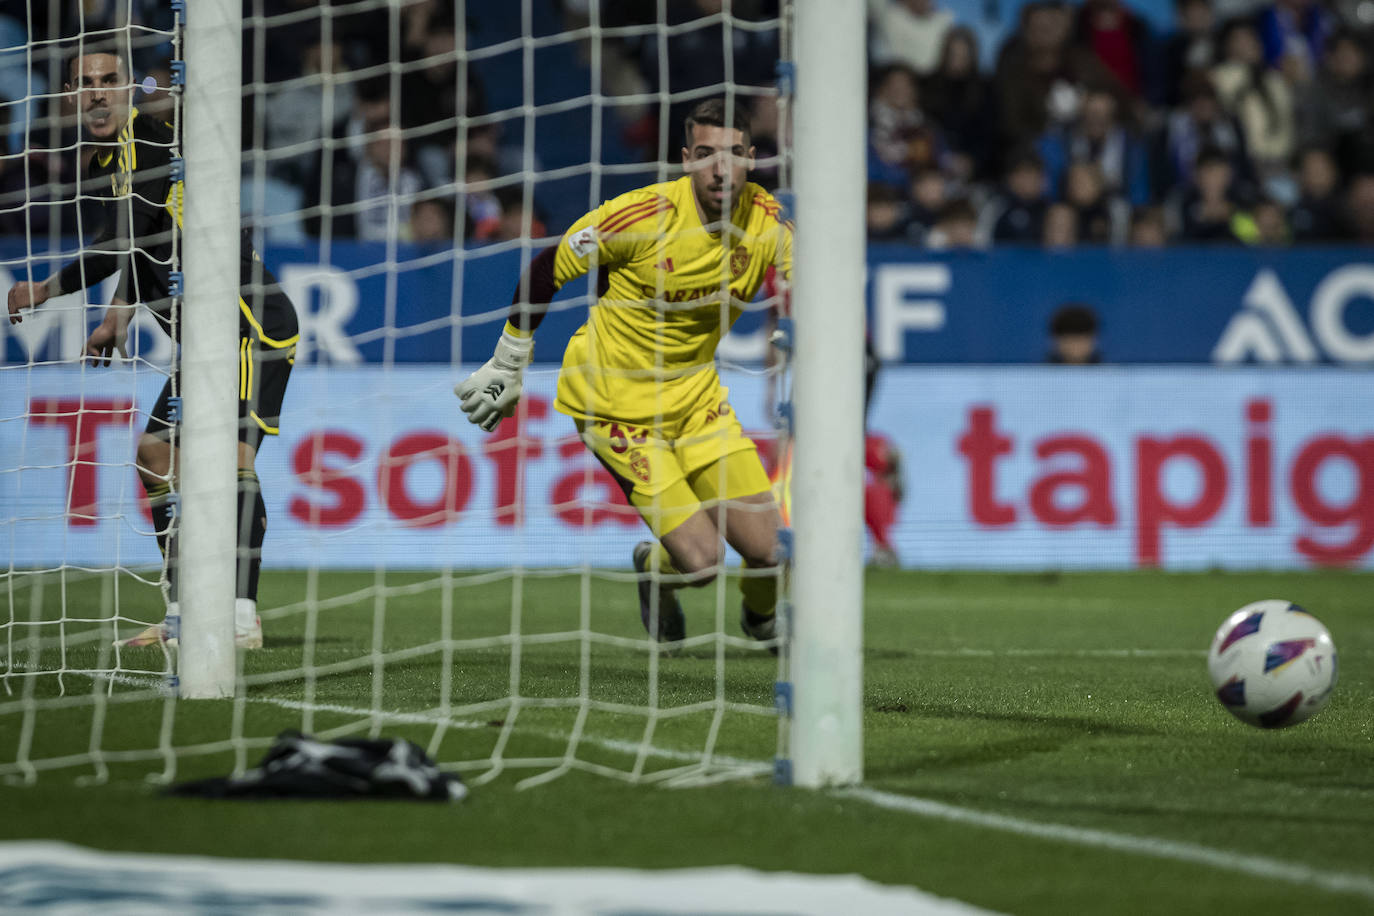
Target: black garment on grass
298, 766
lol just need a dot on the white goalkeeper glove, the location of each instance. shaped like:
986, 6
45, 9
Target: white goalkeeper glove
491, 393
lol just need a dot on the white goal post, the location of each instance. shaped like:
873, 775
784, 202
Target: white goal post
209, 361
827, 472
471, 592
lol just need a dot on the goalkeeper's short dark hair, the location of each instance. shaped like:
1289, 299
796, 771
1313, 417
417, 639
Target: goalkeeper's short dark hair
712, 113
117, 49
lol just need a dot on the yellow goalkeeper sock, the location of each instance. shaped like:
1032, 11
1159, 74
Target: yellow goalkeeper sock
760, 592
661, 560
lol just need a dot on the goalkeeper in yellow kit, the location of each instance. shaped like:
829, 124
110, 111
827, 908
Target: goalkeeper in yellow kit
675, 264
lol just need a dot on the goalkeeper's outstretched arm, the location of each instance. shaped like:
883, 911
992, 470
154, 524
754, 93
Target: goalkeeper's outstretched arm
491, 393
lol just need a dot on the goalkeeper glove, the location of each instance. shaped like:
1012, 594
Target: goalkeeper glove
492, 392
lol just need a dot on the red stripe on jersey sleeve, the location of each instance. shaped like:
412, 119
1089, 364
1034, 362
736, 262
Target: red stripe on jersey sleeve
626, 215
660, 206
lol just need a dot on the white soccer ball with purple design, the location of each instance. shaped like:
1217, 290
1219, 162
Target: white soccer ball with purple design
1272, 664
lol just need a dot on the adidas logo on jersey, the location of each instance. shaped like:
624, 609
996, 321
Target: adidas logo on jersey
665, 265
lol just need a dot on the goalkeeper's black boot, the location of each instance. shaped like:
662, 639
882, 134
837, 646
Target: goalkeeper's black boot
760, 627
672, 624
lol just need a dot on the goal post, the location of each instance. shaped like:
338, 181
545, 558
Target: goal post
827, 471
209, 320
476, 593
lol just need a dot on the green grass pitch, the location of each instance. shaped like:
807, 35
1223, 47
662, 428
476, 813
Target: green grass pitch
1077, 699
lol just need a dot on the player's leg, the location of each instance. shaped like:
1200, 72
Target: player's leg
155, 459
264, 369
741, 502
686, 550
728, 478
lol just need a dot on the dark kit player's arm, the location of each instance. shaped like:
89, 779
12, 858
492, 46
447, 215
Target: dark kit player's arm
128, 223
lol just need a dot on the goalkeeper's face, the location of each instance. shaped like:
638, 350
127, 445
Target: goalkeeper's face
103, 95
719, 162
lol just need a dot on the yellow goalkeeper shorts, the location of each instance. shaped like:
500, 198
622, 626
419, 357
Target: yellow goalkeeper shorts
667, 473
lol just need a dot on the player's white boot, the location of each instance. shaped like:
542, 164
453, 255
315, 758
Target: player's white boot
247, 624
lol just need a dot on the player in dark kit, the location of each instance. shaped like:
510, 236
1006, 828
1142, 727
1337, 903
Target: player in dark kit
128, 161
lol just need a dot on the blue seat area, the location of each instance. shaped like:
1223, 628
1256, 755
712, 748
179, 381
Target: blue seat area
275, 206
562, 139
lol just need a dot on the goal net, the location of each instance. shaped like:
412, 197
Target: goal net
403, 164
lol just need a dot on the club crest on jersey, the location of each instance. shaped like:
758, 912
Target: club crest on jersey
583, 243
739, 262
639, 464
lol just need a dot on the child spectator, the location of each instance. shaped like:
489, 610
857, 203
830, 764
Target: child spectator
1148, 229
1061, 226
1102, 217
1209, 205
1018, 213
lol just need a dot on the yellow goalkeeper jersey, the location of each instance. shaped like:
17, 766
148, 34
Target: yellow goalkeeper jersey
667, 290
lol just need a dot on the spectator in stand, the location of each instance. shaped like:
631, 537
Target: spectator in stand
1017, 214
763, 134
885, 214
929, 194
1061, 226
895, 122
1209, 205
900, 136
295, 116
1334, 108
1294, 33
510, 224
1201, 123
1119, 39
696, 54
1259, 98
1148, 228
1099, 135
1192, 47
1102, 217
1265, 224
1073, 335
1359, 202
25, 197
1319, 214
481, 200
908, 32
431, 221
956, 228
959, 98
368, 199
1040, 74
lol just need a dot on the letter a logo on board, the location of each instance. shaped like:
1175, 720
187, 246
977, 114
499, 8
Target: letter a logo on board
1267, 329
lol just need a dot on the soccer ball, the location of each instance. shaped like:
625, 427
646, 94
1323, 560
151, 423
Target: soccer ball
1272, 664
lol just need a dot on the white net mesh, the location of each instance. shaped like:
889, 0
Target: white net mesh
404, 164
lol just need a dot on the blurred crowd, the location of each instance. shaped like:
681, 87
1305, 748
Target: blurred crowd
1242, 124
1091, 129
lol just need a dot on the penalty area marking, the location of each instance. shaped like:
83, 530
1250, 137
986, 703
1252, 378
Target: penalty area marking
1188, 853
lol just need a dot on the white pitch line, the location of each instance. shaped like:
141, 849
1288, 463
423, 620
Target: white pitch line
1188, 853
1057, 653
